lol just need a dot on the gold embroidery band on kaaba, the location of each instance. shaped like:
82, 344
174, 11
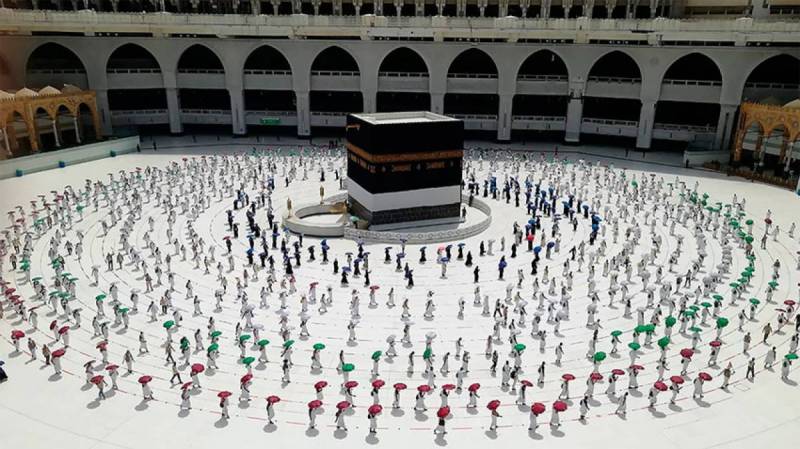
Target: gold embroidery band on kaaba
404, 157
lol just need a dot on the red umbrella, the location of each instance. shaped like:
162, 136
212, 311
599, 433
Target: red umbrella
676, 379
378, 383
227, 237
186, 385
111, 367
537, 408
101, 345
59, 352
400, 386
789, 302
527, 383
343, 405
145, 379
246, 378
350, 384
559, 406
704, 375
595, 376
493, 404
224, 394
374, 409
443, 412
568, 377
715, 344
63, 330
10, 291
474, 387
198, 368
316, 403
320, 385
660, 386
448, 387
96, 379
423, 388
687, 353
16, 334
53, 324
637, 367
273, 399
617, 372
374, 287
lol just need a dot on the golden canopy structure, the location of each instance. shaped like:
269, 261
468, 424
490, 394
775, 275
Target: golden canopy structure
26, 115
768, 120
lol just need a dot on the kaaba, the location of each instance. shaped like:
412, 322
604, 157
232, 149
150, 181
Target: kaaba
404, 168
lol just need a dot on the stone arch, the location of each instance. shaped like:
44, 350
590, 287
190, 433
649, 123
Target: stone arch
471, 56
557, 62
324, 60
385, 64
137, 50
273, 54
211, 60
695, 64
613, 60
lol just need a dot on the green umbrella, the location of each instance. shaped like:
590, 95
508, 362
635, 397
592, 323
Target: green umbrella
791, 356
184, 344
694, 307
64, 294
427, 354
599, 356
519, 347
705, 304
734, 285
689, 313
640, 328
213, 347
616, 333
717, 297
37, 279
319, 346
263, 342
65, 274
123, 310
376, 355
288, 343
749, 222
101, 297
772, 284
168, 324
244, 337
650, 327
216, 334
754, 301
695, 329
670, 321
347, 367
663, 342
635, 346
722, 322
248, 360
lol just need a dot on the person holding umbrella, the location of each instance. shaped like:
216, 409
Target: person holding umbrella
397, 388
493, 406
223, 403
186, 403
101, 387
271, 401
339, 418
313, 409
537, 408
442, 414
372, 414
147, 392
675, 388
113, 373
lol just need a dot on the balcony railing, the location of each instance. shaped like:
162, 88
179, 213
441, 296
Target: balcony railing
615, 79
138, 111
532, 77
473, 75
55, 71
756, 85
267, 72
697, 129
474, 116
329, 113
676, 82
203, 71
404, 74
611, 122
206, 111
134, 70
334, 73
539, 118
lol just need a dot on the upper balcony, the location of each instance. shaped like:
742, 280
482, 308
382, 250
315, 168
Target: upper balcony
438, 28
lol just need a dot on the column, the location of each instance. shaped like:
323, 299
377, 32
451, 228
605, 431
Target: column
77, 128
545, 10
303, 114
237, 111
503, 8
644, 134
174, 111
437, 103
369, 99
255, 5
722, 139
104, 112
6, 144
504, 117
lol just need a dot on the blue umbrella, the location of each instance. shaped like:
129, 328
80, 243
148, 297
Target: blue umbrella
461, 245
551, 244
445, 259
250, 251
346, 269
537, 249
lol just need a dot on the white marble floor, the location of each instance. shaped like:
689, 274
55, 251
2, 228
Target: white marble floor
39, 409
